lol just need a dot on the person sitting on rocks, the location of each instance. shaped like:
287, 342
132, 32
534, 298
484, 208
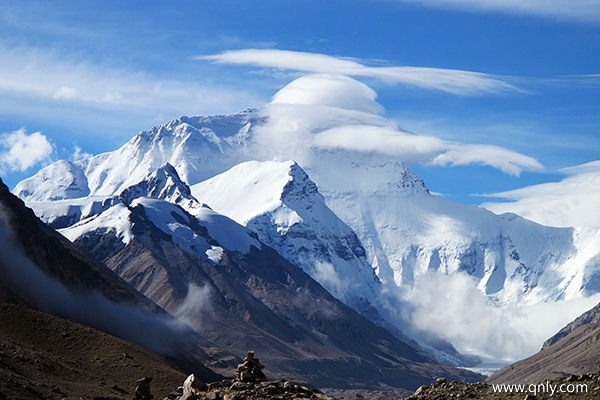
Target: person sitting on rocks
251, 369
142, 389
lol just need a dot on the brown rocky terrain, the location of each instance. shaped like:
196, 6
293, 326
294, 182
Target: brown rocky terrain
50, 358
43, 357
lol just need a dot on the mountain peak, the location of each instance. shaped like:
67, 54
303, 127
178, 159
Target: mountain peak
263, 186
279, 201
299, 185
61, 180
164, 184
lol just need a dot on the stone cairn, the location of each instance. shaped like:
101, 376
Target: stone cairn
250, 383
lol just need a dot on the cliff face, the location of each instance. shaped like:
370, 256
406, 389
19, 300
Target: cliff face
42, 270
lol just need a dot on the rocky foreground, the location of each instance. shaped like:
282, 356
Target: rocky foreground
194, 389
580, 387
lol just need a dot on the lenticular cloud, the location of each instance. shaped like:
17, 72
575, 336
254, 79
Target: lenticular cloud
325, 112
330, 90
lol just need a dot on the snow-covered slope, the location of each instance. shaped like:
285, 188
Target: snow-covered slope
279, 202
163, 200
60, 180
511, 259
197, 147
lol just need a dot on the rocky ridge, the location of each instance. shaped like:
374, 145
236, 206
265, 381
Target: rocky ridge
580, 387
227, 389
589, 317
575, 354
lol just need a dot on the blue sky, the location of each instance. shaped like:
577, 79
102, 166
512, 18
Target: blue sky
88, 75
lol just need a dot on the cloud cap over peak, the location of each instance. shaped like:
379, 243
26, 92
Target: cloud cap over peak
330, 90
334, 112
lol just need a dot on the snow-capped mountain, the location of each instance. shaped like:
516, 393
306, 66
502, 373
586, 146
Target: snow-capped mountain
279, 202
410, 233
197, 147
407, 235
168, 203
218, 277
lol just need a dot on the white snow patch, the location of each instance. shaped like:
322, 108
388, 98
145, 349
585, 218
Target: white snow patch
258, 183
225, 231
215, 253
115, 219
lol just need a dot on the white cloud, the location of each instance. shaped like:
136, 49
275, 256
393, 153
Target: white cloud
21, 151
330, 90
195, 306
465, 83
424, 149
43, 75
65, 93
325, 273
571, 202
407, 146
503, 159
80, 154
314, 113
452, 307
592, 167
578, 10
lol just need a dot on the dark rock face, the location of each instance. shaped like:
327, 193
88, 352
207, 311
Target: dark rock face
58, 257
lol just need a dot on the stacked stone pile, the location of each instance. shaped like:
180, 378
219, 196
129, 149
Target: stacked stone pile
249, 384
235, 389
